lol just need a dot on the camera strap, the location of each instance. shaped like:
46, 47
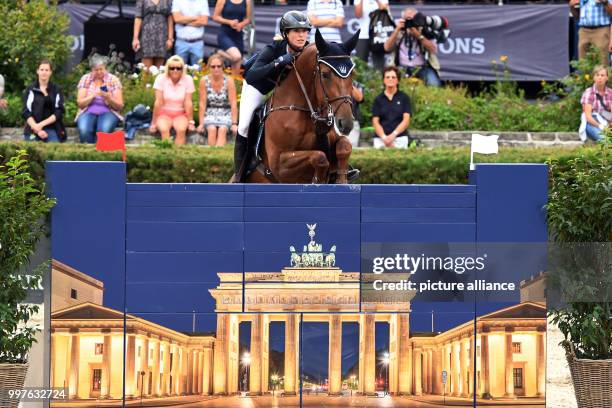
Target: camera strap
601, 101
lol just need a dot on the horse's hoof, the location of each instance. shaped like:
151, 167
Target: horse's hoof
353, 175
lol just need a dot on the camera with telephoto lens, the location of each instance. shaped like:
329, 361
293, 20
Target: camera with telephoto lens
434, 27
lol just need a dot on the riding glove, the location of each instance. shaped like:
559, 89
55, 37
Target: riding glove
284, 60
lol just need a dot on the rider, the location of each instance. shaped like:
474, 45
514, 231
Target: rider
262, 76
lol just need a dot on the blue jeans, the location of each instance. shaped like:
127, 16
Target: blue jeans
52, 137
190, 52
427, 74
88, 124
593, 133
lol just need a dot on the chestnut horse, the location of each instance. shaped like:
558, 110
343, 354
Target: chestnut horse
308, 117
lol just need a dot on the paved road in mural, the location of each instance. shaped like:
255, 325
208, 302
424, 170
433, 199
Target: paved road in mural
336, 402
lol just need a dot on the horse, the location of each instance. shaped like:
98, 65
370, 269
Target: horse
307, 118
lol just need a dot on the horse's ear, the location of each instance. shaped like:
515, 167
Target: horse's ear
349, 45
320, 42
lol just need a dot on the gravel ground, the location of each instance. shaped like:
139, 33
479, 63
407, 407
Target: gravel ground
559, 388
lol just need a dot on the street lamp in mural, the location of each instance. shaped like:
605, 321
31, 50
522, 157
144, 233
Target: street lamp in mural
385, 363
142, 374
274, 379
246, 362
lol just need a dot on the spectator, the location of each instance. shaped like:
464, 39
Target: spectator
43, 108
413, 52
99, 99
190, 17
596, 105
233, 17
173, 107
3, 102
328, 17
363, 8
391, 113
357, 95
594, 26
218, 108
153, 31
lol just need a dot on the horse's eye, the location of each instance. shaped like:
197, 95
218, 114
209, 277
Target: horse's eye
325, 75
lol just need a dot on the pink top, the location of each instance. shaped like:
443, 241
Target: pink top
174, 94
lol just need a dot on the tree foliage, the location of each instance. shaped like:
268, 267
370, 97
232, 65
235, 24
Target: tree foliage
23, 207
579, 218
31, 31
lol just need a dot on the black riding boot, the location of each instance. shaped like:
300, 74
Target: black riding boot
240, 150
353, 174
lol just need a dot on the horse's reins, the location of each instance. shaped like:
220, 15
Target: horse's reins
315, 114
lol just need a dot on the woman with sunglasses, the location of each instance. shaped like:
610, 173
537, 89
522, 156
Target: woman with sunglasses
218, 109
173, 107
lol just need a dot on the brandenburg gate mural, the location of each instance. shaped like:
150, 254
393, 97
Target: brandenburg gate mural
87, 341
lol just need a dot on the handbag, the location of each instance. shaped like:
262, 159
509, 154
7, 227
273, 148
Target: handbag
381, 26
606, 114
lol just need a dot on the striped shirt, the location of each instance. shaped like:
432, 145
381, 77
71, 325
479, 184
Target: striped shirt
593, 14
326, 9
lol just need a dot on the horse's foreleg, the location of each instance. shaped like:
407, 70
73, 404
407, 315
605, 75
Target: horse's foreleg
343, 152
298, 166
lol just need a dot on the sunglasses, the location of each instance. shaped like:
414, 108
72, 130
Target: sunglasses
175, 68
216, 66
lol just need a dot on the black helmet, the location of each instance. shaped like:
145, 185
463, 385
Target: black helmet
294, 19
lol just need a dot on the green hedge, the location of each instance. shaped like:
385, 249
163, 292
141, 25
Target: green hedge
193, 164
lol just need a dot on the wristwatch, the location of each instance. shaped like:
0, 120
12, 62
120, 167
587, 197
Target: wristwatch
421, 37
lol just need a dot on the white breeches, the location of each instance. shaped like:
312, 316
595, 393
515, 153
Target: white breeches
250, 99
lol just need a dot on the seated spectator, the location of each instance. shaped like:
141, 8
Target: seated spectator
233, 17
153, 31
173, 107
43, 108
391, 113
99, 98
328, 17
3, 102
413, 52
357, 95
596, 106
218, 108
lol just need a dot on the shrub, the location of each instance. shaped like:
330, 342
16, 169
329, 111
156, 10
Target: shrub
190, 163
579, 211
31, 31
23, 207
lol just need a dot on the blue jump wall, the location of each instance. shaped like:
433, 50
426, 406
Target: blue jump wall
158, 247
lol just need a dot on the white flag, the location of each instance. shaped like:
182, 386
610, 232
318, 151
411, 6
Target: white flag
484, 144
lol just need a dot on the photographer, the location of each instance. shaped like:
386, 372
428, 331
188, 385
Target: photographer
414, 53
594, 22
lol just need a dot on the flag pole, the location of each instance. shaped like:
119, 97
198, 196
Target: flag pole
472, 167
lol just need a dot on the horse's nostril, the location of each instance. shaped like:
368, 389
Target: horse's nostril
346, 125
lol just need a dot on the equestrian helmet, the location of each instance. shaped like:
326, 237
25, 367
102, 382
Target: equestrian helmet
294, 19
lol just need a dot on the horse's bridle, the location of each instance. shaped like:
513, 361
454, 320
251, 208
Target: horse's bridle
317, 115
